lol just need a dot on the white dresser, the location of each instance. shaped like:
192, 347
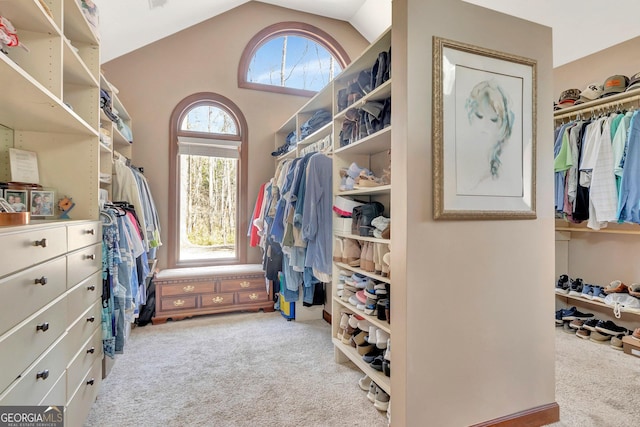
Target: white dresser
50, 316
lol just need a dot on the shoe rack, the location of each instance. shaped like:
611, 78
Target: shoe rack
577, 244
372, 152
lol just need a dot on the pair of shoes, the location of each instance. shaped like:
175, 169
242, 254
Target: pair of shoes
383, 227
562, 285
575, 289
573, 314
636, 334
351, 251
615, 287
583, 333
590, 324
366, 257
598, 294
576, 324
386, 263
378, 396
616, 342
610, 328
599, 338
386, 360
634, 290
379, 251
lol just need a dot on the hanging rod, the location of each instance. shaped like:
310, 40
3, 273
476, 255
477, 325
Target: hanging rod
601, 103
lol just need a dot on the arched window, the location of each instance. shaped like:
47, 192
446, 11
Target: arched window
291, 57
207, 182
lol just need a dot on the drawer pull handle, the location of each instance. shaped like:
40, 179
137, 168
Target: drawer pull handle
42, 374
253, 297
245, 284
44, 327
178, 303
91, 382
91, 288
91, 231
217, 300
91, 257
42, 243
91, 350
91, 319
189, 288
42, 281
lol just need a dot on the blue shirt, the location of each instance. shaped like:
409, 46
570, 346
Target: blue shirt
629, 200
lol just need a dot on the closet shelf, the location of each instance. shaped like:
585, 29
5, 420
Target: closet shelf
596, 303
316, 136
609, 101
361, 271
611, 228
376, 143
378, 377
362, 238
381, 92
366, 191
75, 70
382, 324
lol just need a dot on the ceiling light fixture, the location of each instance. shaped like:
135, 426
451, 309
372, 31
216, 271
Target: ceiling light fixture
157, 3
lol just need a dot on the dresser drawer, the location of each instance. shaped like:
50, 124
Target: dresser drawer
84, 326
235, 285
25, 343
185, 288
83, 295
217, 300
57, 394
28, 291
26, 248
178, 303
85, 357
39, 379
79, 405
249, 297
85, 234
83, 263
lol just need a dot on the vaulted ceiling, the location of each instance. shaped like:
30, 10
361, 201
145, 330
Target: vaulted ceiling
580, 27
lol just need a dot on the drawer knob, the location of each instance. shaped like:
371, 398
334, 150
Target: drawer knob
42, 243
91, 231
91, 319
91, 382
245, 284
253, 297
43, 374
178, 303
217, 300
91, 350
42, 281
91, 288
189, 288
91, 257
44, 327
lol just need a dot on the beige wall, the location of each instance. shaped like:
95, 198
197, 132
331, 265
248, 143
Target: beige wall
204, 58
473, 309
622, 58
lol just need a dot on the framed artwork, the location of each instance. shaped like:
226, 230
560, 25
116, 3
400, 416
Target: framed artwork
42, 203
484, 133
17, 199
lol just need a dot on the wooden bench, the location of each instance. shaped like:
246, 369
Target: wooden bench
187, 292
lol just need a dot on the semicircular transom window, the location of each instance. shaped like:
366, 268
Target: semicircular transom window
209, 119
294, 62
291, 57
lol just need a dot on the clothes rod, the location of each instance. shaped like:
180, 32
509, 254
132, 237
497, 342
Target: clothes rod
597, 105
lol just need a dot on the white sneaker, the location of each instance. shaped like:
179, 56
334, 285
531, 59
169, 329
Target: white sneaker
387, 353
364, 383
373, 387
381, 339
381, 402
372, 339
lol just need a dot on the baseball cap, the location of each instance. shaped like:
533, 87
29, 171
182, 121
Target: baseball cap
634, 82
615, 84
591, 92
568, 98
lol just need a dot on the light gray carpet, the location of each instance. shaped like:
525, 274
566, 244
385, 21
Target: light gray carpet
244, 369
254, 369
596, 386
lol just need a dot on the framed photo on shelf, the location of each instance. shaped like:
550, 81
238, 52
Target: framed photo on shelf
42, 203
17, 199
484, 133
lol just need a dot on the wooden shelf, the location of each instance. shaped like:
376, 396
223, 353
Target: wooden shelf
317, 135
382, 324
611, 228
363, 238
596, 303
380, 93
378, 377
376, 143
383, 189
366, 273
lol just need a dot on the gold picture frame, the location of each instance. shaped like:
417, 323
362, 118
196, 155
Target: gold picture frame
484, 133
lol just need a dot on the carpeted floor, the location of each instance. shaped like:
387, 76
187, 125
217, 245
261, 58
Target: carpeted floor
256, 369
246, 369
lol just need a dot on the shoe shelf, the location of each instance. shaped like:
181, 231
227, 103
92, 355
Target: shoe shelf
365, 272
378, 377
382, 324
374, 143
596, 303
361, 238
